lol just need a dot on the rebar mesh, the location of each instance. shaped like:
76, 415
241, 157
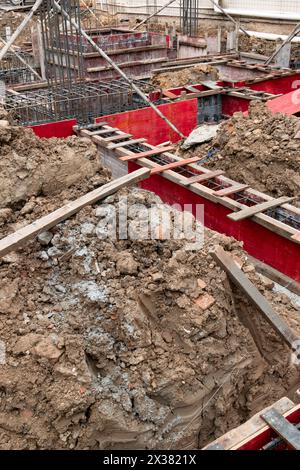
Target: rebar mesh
13, 71
85, 101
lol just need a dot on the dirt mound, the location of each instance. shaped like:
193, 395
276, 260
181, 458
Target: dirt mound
30, 166
261, 150
130, 343
13, 19
188, 76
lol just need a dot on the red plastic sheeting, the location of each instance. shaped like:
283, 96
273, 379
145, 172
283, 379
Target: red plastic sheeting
263, 244
288, 104
60, 129
146, 123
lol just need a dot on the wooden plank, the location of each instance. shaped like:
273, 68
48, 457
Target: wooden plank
202, 178
171, 166
91, 127
18, 238
257, 299
124, 144
296, 237
289, 433
148, 153
169, 94
117, 137
231, 190
250, 211
104, 131
255, 426
192, 89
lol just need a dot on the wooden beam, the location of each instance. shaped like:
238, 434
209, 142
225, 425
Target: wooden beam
250, 211
148, 153
286, 430
104, 131
231, 190
171, 166
202, 178
124, 144
169, 94
296, 237
18, 238
237, 276
90, 127
116, 137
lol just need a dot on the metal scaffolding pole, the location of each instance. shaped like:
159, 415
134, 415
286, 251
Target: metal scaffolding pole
81, 31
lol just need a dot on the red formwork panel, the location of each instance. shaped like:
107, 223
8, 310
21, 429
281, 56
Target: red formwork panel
233, 104
265, 245
60, 129
288, 103
146, 123
280, 85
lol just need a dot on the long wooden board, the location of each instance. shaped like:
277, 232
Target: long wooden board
250, 211
128, 142
18, 238
231, 190
148, 153
202, 178
289, 433
171, 166
240, 280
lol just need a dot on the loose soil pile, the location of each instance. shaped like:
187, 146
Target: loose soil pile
188, 76
30, 166
118, 344
13, 19
262, 150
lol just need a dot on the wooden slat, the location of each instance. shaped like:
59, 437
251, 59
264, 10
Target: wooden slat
241, 281
296, 237
128, 142
18, 238
169, 94
148, 153
117, 137
231, 190
171, 166
202, 178
104, 131
250, 211
289, 433
91, 127
191, 89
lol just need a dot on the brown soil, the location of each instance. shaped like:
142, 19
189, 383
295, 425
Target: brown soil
13, 19
30, 166
188, 76
262, 150
117, 344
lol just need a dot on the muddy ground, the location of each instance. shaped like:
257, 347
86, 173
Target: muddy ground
262, 150
122, 344
30, 166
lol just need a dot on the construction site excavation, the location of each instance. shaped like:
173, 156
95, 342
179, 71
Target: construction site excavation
149, 226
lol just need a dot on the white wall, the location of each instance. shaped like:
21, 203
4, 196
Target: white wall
285, 9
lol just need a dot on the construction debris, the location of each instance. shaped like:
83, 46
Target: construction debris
135, 335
